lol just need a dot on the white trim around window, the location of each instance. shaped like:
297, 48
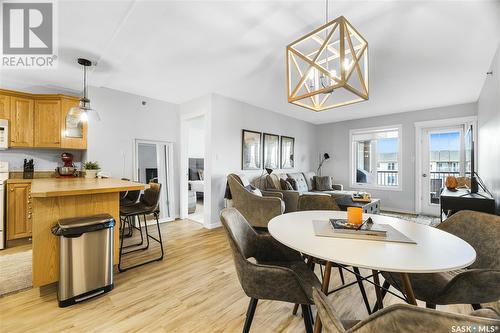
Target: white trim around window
439, 123
352, 158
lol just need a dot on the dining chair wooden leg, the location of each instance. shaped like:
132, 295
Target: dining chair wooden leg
324, 288
410, 296
306, 310
378, 290
385, 286
250, 312
341, 273
362, 289
429, 305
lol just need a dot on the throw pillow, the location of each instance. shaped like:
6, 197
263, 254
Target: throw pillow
253, 189
285, 185
293, 183
324, 183
272, 182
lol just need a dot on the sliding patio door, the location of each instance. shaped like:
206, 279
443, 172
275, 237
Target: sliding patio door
442, 156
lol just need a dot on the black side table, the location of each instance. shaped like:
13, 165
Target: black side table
453, 201
372, 207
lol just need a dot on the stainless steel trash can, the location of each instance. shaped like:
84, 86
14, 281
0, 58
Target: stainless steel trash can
85, 257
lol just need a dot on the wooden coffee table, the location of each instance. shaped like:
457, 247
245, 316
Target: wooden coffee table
372, 207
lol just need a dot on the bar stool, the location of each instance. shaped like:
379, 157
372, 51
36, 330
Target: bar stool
147, 205
130, 199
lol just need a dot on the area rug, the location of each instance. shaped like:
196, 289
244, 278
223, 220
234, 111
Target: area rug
420, 219
15, 271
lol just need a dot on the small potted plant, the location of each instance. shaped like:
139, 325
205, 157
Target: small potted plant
91, 169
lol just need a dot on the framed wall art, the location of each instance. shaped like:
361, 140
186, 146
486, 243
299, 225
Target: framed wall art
251, 150
271, 151
287, 152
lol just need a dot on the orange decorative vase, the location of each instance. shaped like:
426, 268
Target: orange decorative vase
451, 183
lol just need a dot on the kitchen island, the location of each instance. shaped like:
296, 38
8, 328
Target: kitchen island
57, 198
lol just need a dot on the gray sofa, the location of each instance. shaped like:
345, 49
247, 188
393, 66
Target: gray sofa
304, 183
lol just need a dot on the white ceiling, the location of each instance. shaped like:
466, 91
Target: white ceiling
423, 54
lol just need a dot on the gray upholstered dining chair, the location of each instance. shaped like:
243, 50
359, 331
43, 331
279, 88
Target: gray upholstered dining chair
403, 318
476, 284
267, 269
257, 206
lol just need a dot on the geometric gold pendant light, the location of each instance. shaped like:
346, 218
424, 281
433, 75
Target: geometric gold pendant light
328, 67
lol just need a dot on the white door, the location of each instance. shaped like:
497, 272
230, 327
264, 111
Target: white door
154, 162
442, 155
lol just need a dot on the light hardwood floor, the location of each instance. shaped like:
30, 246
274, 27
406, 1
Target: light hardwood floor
194, 289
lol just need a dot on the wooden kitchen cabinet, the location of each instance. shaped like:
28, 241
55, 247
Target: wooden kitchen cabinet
4, 106
73, 130
47, 123
18, 210
21, 122
39, 120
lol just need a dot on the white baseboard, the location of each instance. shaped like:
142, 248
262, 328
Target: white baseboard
398, 210
213, 225
163, 220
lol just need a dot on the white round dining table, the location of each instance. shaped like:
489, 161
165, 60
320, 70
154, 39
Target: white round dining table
435, 250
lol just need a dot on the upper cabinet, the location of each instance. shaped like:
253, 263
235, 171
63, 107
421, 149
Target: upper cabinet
41, 121
48, 123
21, 122
4, 107
73, 129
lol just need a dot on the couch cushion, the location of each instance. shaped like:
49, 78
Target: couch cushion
282, 175
298, 181
309, 177
323, 183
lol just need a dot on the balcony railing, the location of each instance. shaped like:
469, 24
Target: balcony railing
388, 178
437, 179
391, 178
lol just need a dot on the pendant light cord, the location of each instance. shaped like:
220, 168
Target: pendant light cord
85, 82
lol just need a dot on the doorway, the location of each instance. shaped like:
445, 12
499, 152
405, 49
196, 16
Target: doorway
196, 168
441, 154
153, 162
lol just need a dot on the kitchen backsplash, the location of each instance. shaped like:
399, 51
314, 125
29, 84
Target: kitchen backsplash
45, 160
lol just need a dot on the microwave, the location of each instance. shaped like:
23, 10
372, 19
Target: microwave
4, 134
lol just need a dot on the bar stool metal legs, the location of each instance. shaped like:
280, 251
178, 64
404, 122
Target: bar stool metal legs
147, 237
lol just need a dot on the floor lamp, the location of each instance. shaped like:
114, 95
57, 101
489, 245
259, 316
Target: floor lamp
325, 157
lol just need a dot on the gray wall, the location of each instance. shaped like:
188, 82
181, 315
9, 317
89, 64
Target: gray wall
489, 130
228, 118
123, 119
196, 137
334, 139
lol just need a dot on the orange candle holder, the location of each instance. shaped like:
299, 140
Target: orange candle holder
354, 215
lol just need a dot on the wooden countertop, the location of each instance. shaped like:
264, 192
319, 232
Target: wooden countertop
56, 187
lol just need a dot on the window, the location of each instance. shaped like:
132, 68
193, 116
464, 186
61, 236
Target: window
376, 158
